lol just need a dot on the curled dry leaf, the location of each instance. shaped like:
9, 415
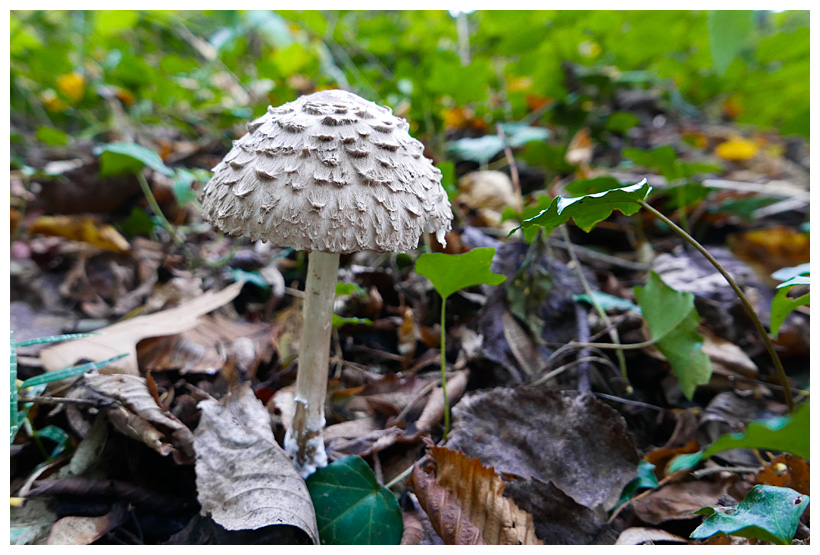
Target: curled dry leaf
572, 439
81, 228
434, 409
244, 479
678, 501
123, 337
141, 418
476, 494
413, 529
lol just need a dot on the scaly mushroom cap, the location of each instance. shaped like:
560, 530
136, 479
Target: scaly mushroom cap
331, 172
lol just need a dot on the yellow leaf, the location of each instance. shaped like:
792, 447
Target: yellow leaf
81, 228
72, 85
736, 149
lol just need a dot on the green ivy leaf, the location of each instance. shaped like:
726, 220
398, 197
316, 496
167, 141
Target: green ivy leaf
588, 210
729, 32
591, 186
125, 158
452, 272
644, 480
782, 304
339, 321
673, 321
784, 433
767, 513
663, 158
351, 507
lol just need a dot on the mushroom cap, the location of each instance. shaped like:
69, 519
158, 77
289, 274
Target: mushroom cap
330, 172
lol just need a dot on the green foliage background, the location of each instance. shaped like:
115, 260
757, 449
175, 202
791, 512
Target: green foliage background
204, 72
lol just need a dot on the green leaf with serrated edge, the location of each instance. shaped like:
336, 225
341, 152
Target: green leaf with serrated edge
768, 513
452, 272
71, 372
673, 321
606, 301
351, 507
128, 158
592, 186
588, 210
784, 433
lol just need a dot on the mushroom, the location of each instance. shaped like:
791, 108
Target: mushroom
329, 173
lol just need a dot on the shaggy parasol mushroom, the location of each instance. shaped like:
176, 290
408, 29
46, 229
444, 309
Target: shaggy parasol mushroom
329, 173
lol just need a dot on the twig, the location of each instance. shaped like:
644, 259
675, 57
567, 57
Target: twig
746, 304
717, 470
629, 402
594, 256
574, 363
601, 312
46, 400
616, 346
516, 181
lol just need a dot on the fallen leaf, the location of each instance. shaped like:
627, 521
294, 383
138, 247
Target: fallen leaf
141, 418
786, 471
770, 249
434, 409
559, 519
123, 337
83, 530
245, 481
678, 501
80, 228
574, 440
207, 347
444, 511
478, 492
638, 535
413, 529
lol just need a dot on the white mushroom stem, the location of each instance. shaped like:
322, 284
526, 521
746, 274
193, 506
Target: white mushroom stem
304, 442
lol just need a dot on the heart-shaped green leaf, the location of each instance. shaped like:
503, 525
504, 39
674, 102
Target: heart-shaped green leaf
452, 272
588, 210
351, 507
767, 513
673, 321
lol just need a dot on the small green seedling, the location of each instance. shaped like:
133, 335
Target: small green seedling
782, 304
450, 273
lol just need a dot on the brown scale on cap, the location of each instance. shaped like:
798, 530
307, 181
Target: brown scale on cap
329, 172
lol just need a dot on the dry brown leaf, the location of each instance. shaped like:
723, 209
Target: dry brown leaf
244, 479
81, 228
572, 439
83, 530
522, 346
786, 471
207, 347
123, 337
141, 418
678, 501
413, 529
638, 535
479, 493
445, 514
768, 250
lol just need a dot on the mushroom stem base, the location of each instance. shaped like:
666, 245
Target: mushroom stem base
304, 441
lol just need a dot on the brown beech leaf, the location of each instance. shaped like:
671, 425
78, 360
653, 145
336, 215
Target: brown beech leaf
479, 493
786, 471
445, 513
123, 337
678, 501
141, 418
571, 439
245, 481
413, 529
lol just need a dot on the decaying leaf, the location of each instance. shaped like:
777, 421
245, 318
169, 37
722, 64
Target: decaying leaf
83, 530
81, 228
572, 439
245, 481
678, 501
434, 409
208, 346
123, 337
140, 417
477, 492
786, 471
559, 519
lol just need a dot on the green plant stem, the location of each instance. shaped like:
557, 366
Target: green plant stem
152, 202
444, 373
613, 333
781, 372
617, 346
